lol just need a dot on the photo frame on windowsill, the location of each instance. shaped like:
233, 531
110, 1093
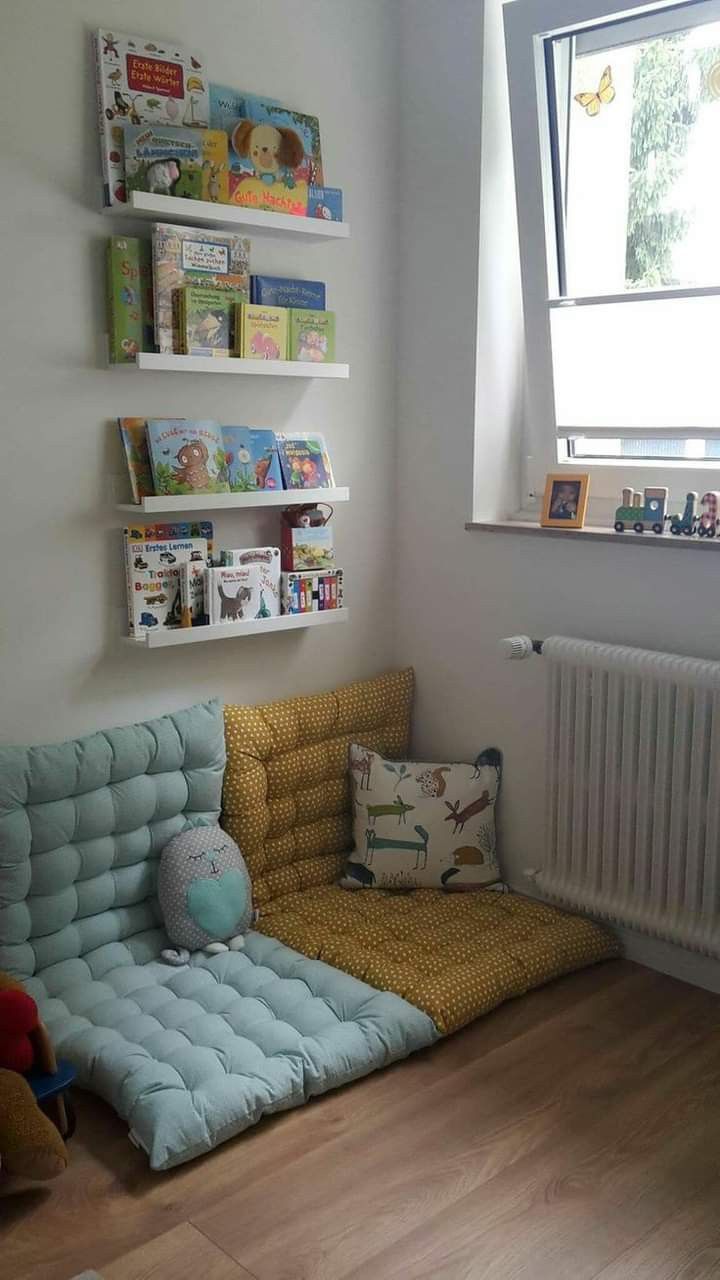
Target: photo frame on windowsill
565, 501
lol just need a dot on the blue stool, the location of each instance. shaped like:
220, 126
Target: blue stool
50, 1089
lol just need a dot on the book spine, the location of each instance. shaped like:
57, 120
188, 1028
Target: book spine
185, 596
129, 585
107, 196
111, 308
321, 593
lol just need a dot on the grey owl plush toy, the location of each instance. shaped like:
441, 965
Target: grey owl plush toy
205, 893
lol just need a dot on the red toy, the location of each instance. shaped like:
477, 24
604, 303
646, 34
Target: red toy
18, 1017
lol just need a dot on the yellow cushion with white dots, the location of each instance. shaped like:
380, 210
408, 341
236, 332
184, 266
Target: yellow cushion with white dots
287, 804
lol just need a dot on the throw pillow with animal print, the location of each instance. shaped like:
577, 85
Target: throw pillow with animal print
418, 824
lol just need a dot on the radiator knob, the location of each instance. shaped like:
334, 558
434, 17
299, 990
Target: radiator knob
516, 647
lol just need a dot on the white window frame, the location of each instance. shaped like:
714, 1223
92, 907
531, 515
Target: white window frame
528, 23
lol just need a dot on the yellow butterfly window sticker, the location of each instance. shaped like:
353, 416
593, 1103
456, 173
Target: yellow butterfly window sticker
593, 101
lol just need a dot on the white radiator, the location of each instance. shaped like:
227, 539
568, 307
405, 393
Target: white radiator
633, 802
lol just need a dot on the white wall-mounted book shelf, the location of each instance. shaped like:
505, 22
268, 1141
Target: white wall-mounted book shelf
202, 213
153, 360
235, 501
162, 638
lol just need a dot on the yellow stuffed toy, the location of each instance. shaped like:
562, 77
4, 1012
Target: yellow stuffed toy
30, 1144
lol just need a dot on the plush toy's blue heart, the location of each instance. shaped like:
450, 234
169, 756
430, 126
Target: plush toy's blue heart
217, 905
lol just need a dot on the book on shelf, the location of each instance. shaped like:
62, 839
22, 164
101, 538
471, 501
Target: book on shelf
154, 555
311, 336
187, 456
304, 461
248, 588
173, 161
307, 548
206, 320
325, 203
129, 287
252, 459
191, 256
192, 593
143, 82
228, 105
275, 157
304, 592
263, 332
280, 291
134, 442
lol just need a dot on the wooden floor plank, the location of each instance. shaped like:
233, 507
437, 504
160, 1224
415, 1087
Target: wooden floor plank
180, 1254
571, 1135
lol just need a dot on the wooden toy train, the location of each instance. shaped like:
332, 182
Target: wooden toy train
647, 511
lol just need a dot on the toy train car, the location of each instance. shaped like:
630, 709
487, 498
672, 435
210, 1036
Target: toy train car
642, 511
648, 511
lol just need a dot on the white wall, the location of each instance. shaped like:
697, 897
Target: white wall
63, 669
461, 591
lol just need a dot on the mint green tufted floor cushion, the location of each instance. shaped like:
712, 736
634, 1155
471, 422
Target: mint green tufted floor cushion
191, 1056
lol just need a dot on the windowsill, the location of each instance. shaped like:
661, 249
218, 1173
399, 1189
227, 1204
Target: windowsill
596, 534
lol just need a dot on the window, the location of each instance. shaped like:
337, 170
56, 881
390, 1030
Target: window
616, 138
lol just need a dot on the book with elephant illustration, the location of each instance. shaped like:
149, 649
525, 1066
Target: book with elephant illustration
187, 456
191, 256
177, 162
263, 333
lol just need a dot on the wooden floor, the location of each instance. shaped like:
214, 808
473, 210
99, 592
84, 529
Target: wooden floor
571, 1135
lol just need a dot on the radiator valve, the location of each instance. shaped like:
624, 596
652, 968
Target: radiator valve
520, 647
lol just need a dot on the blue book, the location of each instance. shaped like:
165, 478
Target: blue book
279, 291
252, 459
325, 202
227, 106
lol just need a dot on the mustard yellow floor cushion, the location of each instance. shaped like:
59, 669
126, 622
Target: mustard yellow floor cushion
287, 803
286, 796
453, 955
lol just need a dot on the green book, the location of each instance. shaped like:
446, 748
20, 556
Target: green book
207, 320
129, 298
312, 335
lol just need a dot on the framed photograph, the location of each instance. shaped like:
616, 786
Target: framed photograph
565, 501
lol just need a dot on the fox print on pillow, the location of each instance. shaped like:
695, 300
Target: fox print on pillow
419, 824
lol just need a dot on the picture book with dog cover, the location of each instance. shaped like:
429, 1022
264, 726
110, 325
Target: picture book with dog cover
187, 456
141, 81
189, 255
275, 157
167, 161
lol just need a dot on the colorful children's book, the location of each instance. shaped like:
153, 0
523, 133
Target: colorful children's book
307, 548
192, 594
177, 162
206, 320
275, 157
134, 443
187, 456
227, 106
152, 571
305, 592
264, 332
141, 81
278, 291
129, 298
311, 336
304, 461
249, 588
326, 203
189, 255
252, 459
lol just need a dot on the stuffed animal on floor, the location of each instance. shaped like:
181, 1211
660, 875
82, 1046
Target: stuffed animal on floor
30, 1145
205, 894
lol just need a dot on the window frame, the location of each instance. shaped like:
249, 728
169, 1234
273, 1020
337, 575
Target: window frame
528, 26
